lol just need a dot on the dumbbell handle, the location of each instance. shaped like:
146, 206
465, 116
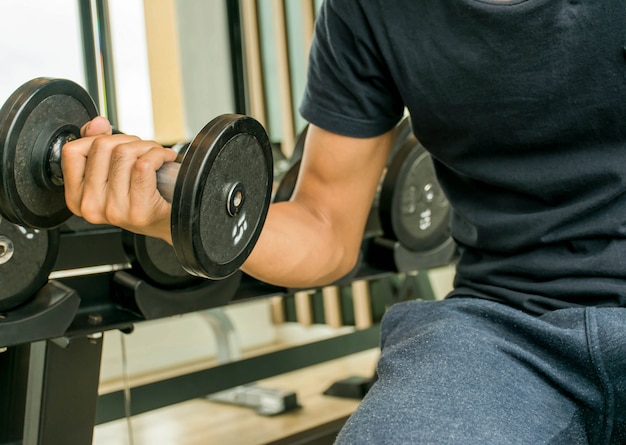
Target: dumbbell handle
166, 179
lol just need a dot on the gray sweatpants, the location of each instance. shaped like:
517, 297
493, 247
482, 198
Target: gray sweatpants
468, 371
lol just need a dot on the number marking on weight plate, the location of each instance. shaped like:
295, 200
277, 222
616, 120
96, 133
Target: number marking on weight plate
240, 229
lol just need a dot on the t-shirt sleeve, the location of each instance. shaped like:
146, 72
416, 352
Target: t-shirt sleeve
349, 89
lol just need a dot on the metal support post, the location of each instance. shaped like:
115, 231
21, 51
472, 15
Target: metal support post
62, 392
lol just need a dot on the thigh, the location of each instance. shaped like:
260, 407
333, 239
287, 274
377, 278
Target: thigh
607, 340
461, 371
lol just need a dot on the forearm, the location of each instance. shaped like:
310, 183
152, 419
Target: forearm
314, 239
299, 248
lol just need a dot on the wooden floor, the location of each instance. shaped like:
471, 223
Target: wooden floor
203, 422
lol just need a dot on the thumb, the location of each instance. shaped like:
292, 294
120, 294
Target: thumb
99, 125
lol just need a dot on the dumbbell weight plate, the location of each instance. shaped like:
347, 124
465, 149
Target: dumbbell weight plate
413, 208
27, 257
230, 159
155, 261
26, 197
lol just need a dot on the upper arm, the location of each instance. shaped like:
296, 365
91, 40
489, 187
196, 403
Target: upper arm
338, 179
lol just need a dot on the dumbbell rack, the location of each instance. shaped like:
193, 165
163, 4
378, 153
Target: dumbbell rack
49, 372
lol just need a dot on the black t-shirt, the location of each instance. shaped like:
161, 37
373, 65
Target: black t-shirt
522, 104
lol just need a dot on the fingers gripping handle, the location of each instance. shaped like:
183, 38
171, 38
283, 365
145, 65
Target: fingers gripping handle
52, 176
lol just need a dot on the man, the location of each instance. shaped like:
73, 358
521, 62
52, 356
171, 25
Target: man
522, 105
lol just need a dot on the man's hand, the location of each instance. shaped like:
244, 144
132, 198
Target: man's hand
111, 179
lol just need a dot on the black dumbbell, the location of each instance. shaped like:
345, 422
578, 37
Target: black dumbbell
412, 206
219, 188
